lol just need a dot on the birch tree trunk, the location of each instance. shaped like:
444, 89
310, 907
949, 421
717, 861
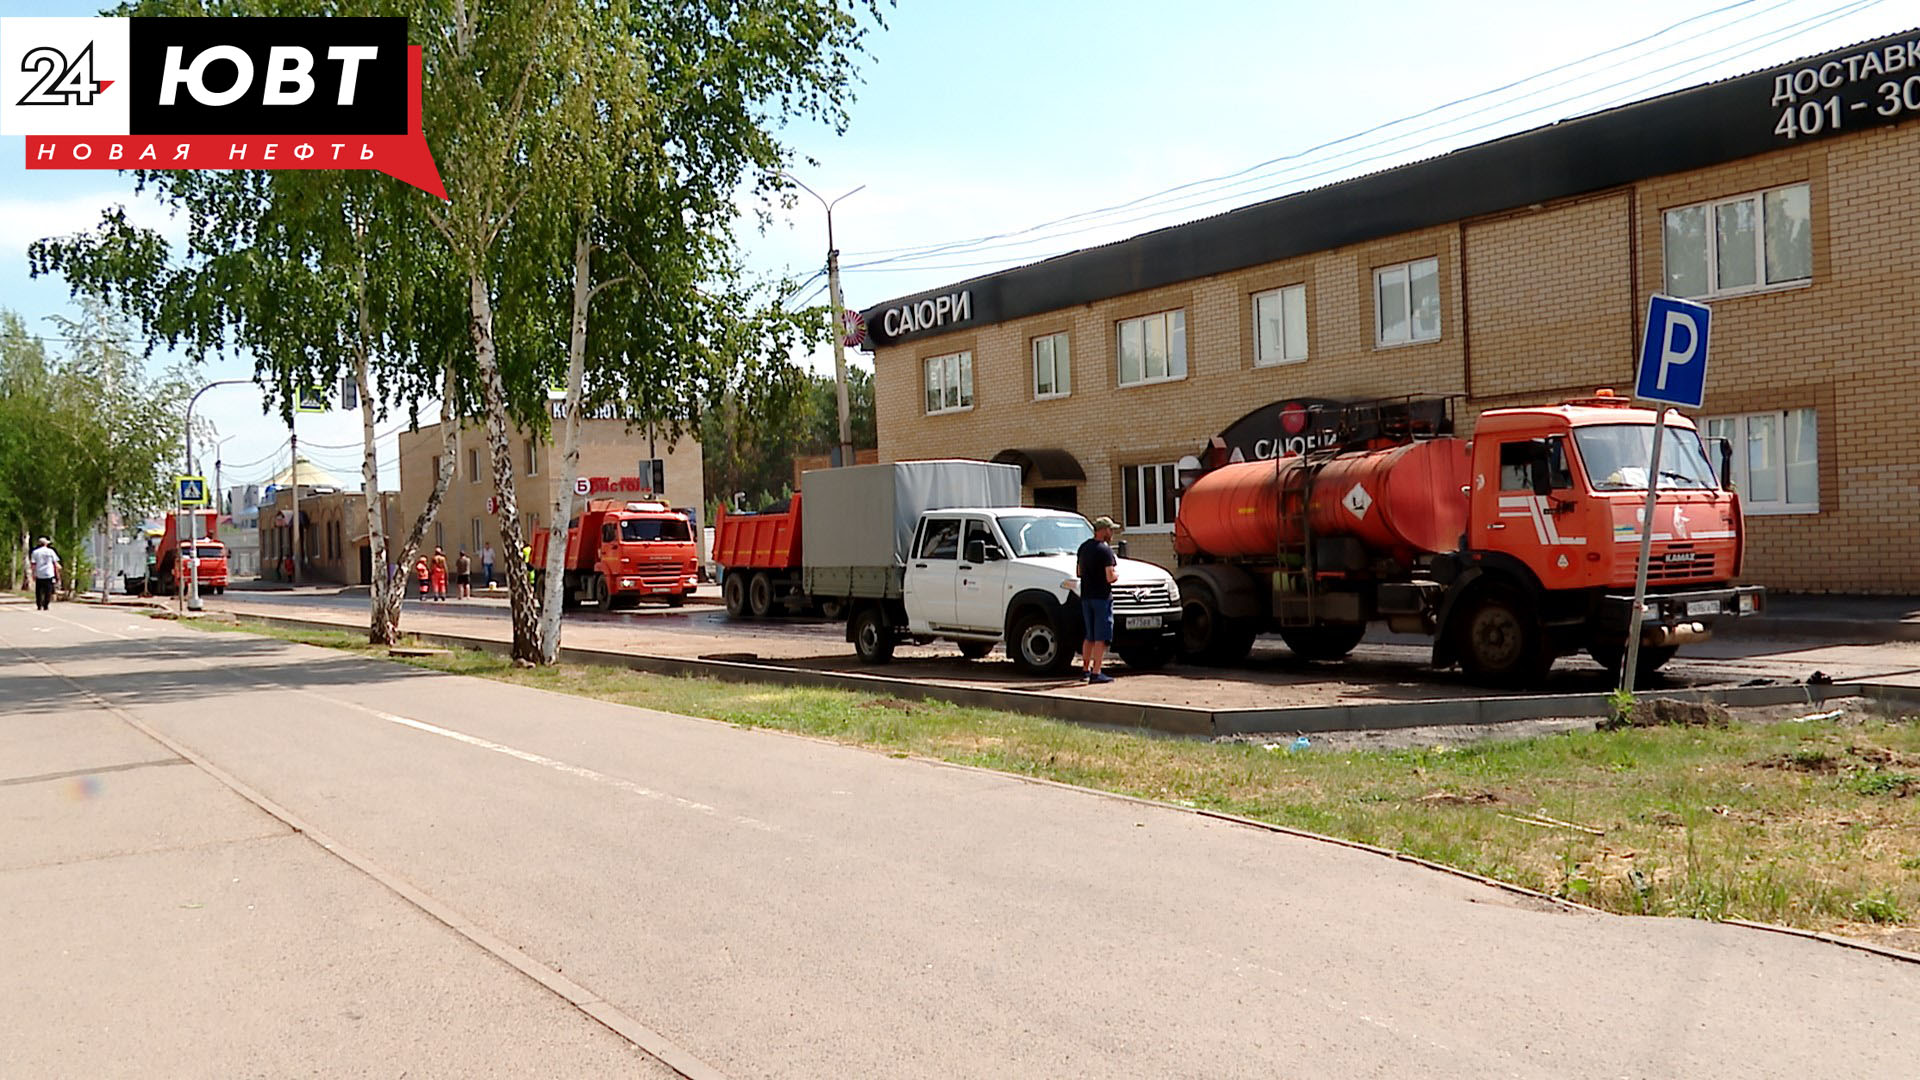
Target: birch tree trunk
520, 597
554, 579
396, 587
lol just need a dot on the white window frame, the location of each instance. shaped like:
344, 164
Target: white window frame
1712, 211
1280, 355
1173, 325
533, 458
1405, 269
1134, 510
955, 371
1741, 426
1060, 356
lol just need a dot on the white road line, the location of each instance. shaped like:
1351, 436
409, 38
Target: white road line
555, 764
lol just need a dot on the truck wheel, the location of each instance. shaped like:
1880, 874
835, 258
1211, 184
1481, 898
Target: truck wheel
1148, 655
1500, 642
602, 597
760, 595
734, 592
974, 650
1206, 636
676, 599
1036, 644
1611, 655
872, 639
1327, 641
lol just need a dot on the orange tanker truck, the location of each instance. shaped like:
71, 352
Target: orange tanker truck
1509, 549
174, 560
619, 553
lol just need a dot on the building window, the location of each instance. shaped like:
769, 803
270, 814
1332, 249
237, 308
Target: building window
949, 382
439, 534
1406, 298
1280, 325
1760, 240
436, 468
473, 466
1776, 459
476, 534
1152, 495
533, 458
1052, 367
1153, 348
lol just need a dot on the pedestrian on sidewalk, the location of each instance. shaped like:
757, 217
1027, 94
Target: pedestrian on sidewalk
423, 572
463, 574
439, 574
46, 573
486, 562
1098, 571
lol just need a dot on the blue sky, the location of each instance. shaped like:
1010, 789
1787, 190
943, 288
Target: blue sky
989, 117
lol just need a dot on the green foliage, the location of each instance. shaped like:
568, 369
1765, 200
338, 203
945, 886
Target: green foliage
77, 431
1882, 782
749, 444
1620, 708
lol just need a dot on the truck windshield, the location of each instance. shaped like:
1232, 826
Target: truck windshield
1052, 534
1616, 457
210, 551
634, 530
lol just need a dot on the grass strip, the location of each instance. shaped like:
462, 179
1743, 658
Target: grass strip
1814, 825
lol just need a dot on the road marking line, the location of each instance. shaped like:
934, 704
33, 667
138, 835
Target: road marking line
609, 1016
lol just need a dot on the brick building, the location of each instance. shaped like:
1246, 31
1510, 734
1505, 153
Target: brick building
334, 546
1510, 272
617, 463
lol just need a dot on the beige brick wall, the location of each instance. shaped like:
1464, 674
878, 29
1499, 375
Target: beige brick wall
607, 448
1537, 305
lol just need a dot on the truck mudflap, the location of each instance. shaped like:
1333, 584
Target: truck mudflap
1676, 614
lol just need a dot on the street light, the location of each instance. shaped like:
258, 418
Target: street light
833, 326
193, 563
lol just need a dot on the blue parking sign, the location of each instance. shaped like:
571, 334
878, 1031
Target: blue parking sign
1673, 356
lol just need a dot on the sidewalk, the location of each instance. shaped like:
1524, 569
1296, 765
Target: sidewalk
1828, 617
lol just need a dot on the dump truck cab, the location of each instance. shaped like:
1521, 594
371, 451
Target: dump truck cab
620, 552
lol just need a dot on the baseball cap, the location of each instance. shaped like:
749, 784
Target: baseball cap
1104, 522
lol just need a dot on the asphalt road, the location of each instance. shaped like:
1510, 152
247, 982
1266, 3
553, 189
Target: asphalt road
775, 906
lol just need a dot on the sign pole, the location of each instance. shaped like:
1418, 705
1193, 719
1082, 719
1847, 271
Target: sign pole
1632, 662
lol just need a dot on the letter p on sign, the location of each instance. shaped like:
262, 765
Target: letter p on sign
1673, 356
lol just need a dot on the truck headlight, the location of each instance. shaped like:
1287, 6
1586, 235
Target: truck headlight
1749, 603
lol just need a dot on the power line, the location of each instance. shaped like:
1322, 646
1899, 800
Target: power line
1313, 156
1777, 34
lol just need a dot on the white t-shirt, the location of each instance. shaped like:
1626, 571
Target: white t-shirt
45, 563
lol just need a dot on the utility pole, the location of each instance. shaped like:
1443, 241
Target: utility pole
835, 330
293, 440
193, 564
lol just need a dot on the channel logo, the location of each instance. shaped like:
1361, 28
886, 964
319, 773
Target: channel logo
240, 93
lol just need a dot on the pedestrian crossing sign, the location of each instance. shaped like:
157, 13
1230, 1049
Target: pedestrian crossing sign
191, 489
311, 400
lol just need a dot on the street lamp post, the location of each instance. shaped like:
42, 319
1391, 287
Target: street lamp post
193, 561
834, 327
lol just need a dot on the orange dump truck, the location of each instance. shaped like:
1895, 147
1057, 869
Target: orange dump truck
174, 560
619, 553
759, 557
1509, 549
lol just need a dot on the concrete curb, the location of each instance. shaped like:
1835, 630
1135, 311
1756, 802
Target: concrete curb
1152, 716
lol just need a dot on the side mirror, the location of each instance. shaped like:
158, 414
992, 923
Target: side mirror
976, 551
1540, 475
993, 553
1723, 448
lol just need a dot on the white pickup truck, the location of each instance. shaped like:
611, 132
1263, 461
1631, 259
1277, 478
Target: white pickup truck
940, 550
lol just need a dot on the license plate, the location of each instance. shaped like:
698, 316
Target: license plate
1703, 607
1143, 622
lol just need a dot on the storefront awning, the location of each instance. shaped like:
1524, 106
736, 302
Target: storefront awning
1043, 465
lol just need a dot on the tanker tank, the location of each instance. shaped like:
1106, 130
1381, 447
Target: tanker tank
1402, 501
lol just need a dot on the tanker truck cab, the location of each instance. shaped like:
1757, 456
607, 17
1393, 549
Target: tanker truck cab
1556, 506
982, 576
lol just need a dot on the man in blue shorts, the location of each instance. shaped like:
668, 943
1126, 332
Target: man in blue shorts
1098, 570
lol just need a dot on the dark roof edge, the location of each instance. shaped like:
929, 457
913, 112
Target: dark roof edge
1676, 132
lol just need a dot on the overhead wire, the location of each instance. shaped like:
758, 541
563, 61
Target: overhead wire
1306, 158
